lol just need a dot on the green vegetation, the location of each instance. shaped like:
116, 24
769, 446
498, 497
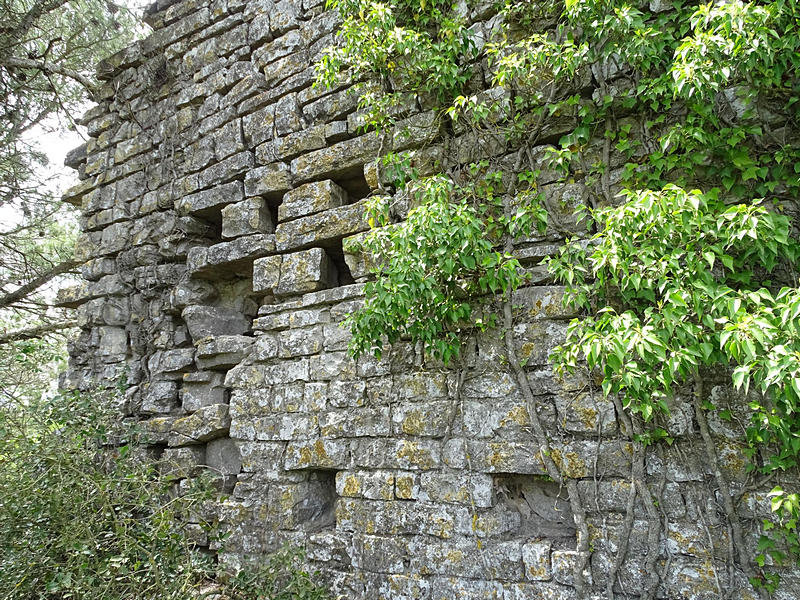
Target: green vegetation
682, 121
82, 519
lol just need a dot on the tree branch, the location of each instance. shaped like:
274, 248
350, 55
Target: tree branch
38, 282
50, 69
35, 332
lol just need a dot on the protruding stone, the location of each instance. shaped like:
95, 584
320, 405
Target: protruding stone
246, 217
311, 198
205, 321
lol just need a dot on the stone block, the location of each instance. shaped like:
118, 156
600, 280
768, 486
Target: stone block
472, 489
536, 556
317, 454
207, 201
202, 388
269, 181
376, 485
354, 423
306, 271
300, 342
412, 455
207, 423
205, 321
245, 218
229, 259
333, 224
179, 463
266, 273
311, 198
221, 352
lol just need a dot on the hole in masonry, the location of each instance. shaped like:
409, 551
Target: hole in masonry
316, 510
355, 184
542, 505
336, 254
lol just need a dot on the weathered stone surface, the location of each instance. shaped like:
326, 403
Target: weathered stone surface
202, 389
269, 181
403, 478
222, 352
311, 198
207, 423
206, 201
205, 321
227, 259
245, 218
332, 224
306, 271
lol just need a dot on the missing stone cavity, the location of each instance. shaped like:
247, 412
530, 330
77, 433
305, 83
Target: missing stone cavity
316, 510
542, 505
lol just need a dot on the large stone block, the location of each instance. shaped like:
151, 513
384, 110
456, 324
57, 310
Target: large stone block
207, 201
229, 259
205, 321
207, 423
270, 181
306, 271
333, 224
202, 388
222, 352
311, 198
245, 218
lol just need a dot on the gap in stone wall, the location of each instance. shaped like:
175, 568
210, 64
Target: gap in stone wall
355, 184
336, 254
317, 510
542, 505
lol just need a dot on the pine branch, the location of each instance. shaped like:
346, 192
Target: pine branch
33, 285
31, 333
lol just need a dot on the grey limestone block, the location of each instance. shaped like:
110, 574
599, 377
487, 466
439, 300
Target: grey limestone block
311, 198
202, 388
245, 218
222, 351
228, 259
207, 423
333, 224
205, 321
306, 271
223, 455
211, 199
159, 397
183, 462
266, 273
269, 181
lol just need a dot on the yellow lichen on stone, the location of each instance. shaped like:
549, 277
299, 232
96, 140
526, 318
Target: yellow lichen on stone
570, 463
352, 486
415, 455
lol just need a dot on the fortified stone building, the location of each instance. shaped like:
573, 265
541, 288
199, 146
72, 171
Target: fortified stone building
216, 189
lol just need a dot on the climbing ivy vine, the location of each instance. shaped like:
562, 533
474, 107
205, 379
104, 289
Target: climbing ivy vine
682, 120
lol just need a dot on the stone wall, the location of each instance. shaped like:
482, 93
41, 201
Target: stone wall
216, 191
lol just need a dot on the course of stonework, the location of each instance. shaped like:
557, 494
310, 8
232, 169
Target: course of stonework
217, 190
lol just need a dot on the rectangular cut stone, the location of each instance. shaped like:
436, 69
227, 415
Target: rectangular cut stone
266, 273
223, 351
270, 181
355, 422
311, 198
319, 454
331, 224
206, 424
245, 218
306, 271
396, 454
202, 389
228, 259
208, 201
336, 160
376, 485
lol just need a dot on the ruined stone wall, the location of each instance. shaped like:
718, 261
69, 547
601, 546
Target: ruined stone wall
216, 191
